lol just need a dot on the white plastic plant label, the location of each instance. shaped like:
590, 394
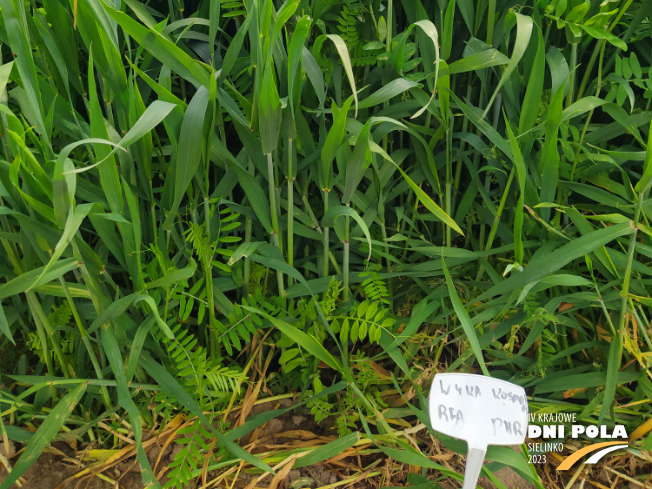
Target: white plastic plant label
480, 410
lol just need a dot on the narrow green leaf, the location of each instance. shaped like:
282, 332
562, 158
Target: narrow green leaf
75, 219
162, 49
611, 382
5, 71
282, 16
173, 278
392, 89
558, 258
358, 163
430, 204
579, 381
534, 90
235, 47
35, 278
152, 117
295, 55
447, 34
44, 435
309, 343
477, 61
13, 15
4, 325
243, 251
124, 399
341, 210
171, 386
474, 116
343, 51
328, 450
270, 111
549, 164
108, 169
521, 172
523, 33
431, 31
189, 154
334, 140
214, 25
464, 318
645, 182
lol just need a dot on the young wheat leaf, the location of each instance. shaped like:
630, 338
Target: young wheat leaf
45, 433
523, 33
464, 318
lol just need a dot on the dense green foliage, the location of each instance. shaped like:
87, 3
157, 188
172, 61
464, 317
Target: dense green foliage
189, 187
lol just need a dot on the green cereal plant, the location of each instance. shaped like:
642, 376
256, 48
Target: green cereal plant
361, 192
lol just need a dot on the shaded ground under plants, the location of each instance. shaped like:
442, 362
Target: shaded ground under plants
358, 467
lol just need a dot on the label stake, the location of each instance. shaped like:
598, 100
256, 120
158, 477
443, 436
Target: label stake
482, 411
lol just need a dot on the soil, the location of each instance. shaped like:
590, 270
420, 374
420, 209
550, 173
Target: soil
50, 471
55, 470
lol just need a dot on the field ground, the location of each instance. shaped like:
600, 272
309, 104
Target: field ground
210, 207
354, 469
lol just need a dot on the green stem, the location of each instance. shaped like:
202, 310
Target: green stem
390, 13
586, 124
494, 226
632, 25
277, 187
641, 324
345, 261
207, 265
315, 225
547, 33
604, 310
388, 48
587, 74
290, 179
248, 232
600, 46
449, 181
460, 162
87, 342
40, 331
487, 179
326, 231
569, 97
274, 213
389, 263
624, 294
476, 157
619, 16
94, 291
501, 206
44, 327
491, 18
208, 273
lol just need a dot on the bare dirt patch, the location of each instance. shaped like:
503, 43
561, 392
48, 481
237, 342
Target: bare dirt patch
355, 468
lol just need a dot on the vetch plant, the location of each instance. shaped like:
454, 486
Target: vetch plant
207, 205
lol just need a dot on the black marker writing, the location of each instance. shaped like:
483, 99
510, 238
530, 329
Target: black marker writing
509, 427
450, 414
515, 398
471, 390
